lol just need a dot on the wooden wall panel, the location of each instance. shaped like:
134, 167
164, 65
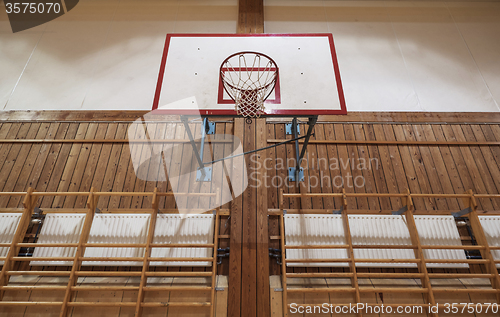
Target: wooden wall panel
107, 166
250, 16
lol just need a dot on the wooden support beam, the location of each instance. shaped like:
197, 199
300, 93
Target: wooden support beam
263, 301
249, 239
249, 256
214, 261
250, 16
235, 256
283, 254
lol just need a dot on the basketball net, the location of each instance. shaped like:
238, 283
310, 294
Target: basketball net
249, 78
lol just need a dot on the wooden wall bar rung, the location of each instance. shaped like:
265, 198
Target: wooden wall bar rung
105, 141
319, 275
275, 212
48, 245
394, 143
186, 141
40, 273
322, 290
467, 290
105, 288
27, 304
390, 275
34, 287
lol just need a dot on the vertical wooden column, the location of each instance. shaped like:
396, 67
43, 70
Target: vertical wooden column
214, 260
250, 16
419, 253
348, 239
263, 299
80, 251
283, 254
249, 256
28, 204
478, 231
249, 245
147, 255
235, 240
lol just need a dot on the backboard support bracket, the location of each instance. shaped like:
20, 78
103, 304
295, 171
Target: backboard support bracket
289, 128
204, 173
293, 175
206, 176
296, 174
209, 126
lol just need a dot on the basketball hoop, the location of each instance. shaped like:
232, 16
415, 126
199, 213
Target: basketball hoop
249, 78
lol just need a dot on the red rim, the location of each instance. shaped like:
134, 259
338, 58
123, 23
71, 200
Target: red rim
224, 83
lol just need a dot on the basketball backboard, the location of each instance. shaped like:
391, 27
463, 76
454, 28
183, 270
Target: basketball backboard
308, 83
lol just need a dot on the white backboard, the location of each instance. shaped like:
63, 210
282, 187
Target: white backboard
308, 84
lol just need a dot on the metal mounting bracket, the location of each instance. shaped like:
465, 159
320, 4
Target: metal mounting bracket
292, 174
297, 174
462, 212
37, 212
289, 129
338, 212
204, 173
400, 211
209, 126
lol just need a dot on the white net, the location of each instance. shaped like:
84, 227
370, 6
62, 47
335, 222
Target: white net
249, 78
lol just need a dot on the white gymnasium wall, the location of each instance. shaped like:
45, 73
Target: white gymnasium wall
393, 55
103, 54
405, 55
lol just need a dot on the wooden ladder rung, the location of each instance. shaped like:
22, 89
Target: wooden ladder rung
177, 288
321, 290
102, 304
32, 288
393, 290
319, 275
15, 303
177, 304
